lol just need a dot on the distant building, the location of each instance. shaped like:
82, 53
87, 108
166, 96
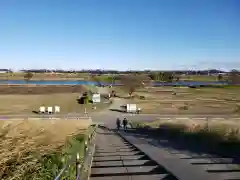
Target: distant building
4, 71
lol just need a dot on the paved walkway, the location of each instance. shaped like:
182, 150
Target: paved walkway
116, 159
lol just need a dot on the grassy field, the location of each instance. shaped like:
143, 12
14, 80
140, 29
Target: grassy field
25, 104
44, 76
189, 100
198, 78
36, 149
23, 99
51, 76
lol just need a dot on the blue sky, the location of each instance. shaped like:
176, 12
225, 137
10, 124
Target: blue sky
120, 34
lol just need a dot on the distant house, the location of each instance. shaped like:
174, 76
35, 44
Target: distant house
4, 71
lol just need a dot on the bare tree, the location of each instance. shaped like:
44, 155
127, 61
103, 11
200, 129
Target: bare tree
28, 76
132, 82
95, 79
219, 77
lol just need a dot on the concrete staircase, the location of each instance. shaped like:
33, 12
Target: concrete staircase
116, 159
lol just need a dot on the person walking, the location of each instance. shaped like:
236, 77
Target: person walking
118, 123
125, 123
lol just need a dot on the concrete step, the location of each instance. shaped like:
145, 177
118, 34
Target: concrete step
136, 177
120, 171
116, 159
130, 153
124, 163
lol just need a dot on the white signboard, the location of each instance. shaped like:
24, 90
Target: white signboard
96, 98
131, 107
50, 109
42, 109
57, 109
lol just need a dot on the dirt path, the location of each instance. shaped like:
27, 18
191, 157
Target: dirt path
103, 90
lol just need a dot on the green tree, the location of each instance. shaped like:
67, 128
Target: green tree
154, 76
166, 76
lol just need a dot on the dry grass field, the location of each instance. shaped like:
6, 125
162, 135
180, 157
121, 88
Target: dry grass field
23, 99
162, 100
24, 144
194, 124
217, 137
44, 76
25, 104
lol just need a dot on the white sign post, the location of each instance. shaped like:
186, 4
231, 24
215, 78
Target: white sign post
57, 109
42, 109
96, 98
50, 110
132, 108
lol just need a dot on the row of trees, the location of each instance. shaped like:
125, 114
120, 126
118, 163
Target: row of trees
163, 76
232, 77
101, 72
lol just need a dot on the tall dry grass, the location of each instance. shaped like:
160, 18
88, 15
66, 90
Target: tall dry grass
24, 142
220, 137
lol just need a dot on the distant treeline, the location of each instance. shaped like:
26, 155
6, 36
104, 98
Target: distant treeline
101, 72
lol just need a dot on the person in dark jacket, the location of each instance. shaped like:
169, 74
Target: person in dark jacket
125, 123
118, 123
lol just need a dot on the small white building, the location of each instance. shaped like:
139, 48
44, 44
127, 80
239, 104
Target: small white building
2, 71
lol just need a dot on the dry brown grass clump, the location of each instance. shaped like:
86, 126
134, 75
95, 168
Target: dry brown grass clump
19, 140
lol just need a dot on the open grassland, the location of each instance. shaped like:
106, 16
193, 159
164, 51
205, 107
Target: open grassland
24, 99
36, 149
53, 76
221, 137
26, 104
179, 100
45, 76
198, 78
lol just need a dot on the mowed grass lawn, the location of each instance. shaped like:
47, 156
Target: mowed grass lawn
25, 104
189, 100
26, 146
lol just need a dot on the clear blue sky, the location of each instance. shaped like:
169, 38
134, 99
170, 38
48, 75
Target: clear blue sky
120, 34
